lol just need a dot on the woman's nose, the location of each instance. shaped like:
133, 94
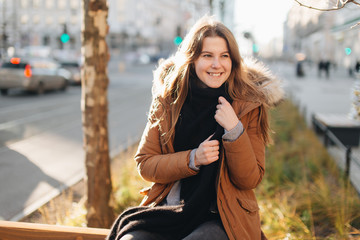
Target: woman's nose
215, 63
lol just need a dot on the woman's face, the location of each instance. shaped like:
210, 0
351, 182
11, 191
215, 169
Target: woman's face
213, 66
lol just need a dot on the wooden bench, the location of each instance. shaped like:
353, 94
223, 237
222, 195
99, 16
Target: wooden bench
33, 231
340, 130
345, 129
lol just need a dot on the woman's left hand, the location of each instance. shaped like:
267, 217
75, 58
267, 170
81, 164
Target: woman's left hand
225, 114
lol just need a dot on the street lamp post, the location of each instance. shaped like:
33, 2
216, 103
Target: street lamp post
3, 35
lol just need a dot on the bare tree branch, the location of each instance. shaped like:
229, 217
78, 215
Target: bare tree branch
353, 2
355, 25
339, 5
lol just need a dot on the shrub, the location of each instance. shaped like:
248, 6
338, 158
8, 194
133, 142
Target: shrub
304, 194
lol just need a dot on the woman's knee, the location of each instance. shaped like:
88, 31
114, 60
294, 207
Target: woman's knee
209, 230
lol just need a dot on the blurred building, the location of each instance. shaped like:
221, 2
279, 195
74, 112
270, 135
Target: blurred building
224, 11
133, 24
323, 35
152, 25
147, 26
155, 25
40, 22
347, 37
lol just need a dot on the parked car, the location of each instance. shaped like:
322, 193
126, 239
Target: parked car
37, 75
74, 68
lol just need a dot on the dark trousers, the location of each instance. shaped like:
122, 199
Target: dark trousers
211, 230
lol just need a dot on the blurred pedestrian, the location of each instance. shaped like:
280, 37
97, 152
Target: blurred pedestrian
357, 66
327, 68
300, 69
204, 144
320, 67
324, 66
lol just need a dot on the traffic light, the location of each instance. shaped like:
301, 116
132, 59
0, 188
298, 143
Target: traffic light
65, 37
177, 40
255, 48
4, 37
347, 51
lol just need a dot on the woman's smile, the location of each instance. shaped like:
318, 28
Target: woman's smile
215, 74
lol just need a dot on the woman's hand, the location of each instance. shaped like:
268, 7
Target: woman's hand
225, 114
207, 152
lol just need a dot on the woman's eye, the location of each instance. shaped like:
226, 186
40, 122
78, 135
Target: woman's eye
226, 55
206, 55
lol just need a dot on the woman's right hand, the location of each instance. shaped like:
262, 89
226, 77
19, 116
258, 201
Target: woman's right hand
207, 152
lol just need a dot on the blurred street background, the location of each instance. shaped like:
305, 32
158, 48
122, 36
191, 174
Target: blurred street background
315, 53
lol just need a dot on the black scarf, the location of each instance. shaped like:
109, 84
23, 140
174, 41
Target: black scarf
195, 124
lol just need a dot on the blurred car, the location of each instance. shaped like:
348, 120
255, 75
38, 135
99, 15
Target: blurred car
36, 75
75, 71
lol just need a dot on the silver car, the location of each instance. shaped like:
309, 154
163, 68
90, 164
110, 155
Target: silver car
37, 75
74, 68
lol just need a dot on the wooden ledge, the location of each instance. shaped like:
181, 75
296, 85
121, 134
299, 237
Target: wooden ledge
33, 231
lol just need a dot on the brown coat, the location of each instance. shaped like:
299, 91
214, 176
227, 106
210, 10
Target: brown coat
242, 169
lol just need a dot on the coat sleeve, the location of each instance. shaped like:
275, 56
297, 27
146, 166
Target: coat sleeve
245, 157
156, 166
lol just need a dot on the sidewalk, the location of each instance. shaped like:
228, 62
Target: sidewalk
320, 95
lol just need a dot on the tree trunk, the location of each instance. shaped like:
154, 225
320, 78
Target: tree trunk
94, 107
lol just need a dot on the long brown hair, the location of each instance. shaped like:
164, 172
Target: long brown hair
171, 78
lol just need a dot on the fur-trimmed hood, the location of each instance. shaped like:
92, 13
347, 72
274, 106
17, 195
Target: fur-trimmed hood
268, 84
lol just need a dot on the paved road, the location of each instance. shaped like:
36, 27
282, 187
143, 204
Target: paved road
321, 95
41, 137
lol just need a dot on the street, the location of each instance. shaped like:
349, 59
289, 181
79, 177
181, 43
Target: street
41, 137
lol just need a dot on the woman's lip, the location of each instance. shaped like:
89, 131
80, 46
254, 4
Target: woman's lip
217, 74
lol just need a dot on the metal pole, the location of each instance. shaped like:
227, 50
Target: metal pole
4, 35
348, 161
326, 138
211, 7
15, 24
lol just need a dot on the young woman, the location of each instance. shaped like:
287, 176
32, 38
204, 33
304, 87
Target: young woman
204, 144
